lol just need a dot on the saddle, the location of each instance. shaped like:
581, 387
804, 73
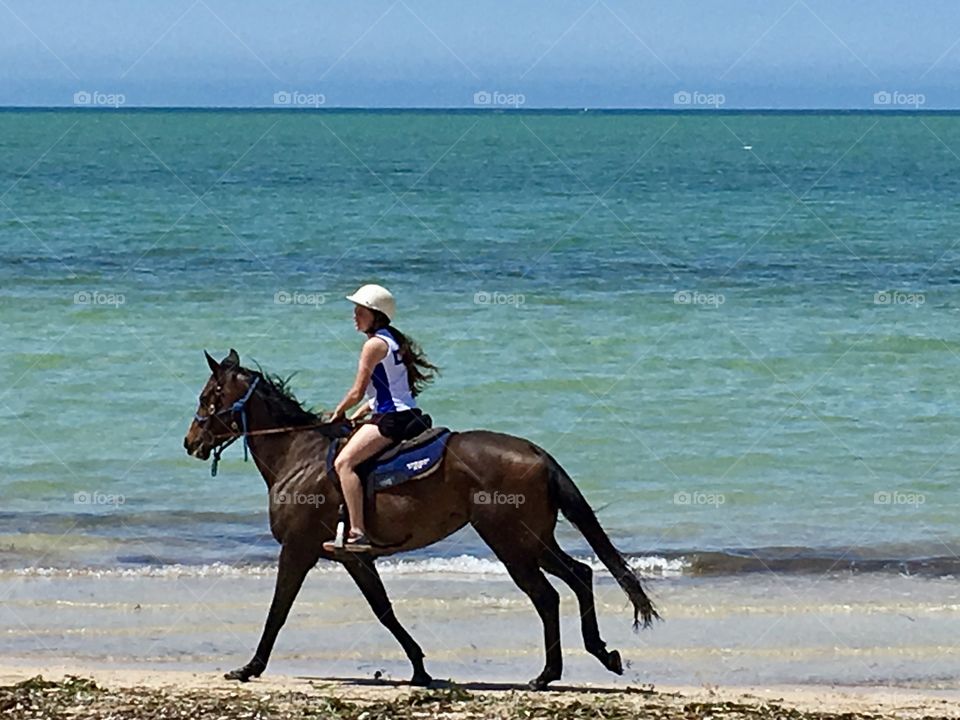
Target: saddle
399, 463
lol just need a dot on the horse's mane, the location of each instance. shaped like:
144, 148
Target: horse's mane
281, 400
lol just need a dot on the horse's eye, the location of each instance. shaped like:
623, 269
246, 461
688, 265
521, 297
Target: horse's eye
212, 408
219, 388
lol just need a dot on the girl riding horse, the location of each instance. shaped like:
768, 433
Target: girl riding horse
391, 373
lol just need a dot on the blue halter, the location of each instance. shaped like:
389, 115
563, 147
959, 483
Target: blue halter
240, 406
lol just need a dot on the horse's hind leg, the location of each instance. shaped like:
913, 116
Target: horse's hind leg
365, 575
545, 599
579, 577
521, 563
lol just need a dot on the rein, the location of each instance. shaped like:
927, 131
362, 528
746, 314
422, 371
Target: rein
240, 406
289, 428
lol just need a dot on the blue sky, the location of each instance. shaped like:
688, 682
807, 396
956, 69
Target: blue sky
434, 53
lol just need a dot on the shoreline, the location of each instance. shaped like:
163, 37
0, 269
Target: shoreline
753, 631
353, 695
456, 558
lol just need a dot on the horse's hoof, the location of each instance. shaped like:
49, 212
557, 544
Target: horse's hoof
539, 683
242, 674
614, 664
421, 679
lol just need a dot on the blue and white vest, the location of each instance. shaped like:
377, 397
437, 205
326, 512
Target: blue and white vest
389, 386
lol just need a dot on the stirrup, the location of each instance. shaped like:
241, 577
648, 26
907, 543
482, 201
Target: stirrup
357, 543
336, 545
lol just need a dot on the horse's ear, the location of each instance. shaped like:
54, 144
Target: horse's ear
214, 365
232, 359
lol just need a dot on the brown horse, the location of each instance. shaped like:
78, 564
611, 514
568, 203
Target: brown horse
289, 446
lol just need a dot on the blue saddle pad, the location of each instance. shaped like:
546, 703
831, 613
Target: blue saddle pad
407, 461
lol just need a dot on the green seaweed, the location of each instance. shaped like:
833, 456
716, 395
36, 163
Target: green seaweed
82, 699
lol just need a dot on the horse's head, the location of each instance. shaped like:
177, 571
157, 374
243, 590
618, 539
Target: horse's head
218, 419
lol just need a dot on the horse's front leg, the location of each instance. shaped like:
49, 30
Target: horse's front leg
292, 569
363, 571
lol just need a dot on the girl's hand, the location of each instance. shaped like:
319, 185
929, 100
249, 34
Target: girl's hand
360, 412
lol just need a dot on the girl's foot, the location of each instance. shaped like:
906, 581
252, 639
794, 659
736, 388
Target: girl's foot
357, 542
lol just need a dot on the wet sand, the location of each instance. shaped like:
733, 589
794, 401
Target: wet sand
839, 643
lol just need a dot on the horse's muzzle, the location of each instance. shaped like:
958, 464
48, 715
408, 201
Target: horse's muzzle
197, 449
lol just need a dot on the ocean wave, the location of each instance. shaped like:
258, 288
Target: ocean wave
778, 561
463, 566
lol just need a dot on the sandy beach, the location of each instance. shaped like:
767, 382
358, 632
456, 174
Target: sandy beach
134, 693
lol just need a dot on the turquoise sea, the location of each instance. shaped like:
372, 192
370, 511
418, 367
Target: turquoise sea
738, 332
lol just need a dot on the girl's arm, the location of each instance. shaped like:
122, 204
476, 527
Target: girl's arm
374, 350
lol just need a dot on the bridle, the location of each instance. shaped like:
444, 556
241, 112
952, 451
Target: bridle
240, 406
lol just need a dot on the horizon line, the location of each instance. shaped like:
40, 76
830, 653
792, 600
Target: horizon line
710, 110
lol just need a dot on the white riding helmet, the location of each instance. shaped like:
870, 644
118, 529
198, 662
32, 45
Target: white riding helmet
375, 297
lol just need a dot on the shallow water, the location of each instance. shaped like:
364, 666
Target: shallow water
777, 402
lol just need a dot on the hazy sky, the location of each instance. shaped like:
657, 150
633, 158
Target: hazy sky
429, 53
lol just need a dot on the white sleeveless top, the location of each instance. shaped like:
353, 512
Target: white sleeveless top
389, 386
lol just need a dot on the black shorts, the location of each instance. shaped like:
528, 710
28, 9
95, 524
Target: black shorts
402, 424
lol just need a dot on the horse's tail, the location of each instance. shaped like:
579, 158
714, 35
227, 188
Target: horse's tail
576, 509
